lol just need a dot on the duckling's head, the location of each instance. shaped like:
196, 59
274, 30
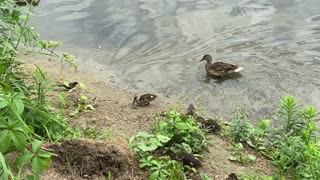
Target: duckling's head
206, 57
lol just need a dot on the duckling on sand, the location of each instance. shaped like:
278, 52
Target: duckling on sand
143, 100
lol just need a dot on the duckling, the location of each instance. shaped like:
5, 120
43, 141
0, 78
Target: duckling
191, 110
189, 159
69, 86
232, 176
25, 3
219, 69
210, 124
143, 100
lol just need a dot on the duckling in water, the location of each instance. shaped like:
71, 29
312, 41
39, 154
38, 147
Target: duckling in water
69, 86
143, 100
189, 159
219, 69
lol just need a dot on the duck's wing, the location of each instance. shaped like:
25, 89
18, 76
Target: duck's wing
221, 66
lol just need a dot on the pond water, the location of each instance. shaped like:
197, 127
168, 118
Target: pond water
155, 46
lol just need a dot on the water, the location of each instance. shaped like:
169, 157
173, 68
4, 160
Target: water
154, 46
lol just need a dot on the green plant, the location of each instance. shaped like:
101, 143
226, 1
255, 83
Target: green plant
241, 157
82, 105
26, 118
175, 133
240, 130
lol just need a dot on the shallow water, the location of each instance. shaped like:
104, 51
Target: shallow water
154, 46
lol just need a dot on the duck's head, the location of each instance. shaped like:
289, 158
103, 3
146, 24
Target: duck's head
206, 57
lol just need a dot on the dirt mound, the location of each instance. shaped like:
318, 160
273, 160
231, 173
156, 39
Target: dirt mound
93, 159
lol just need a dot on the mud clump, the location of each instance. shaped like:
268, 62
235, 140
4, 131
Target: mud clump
91, 159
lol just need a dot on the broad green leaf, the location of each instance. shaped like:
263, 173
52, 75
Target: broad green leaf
19, 105
252, 157
5, 140
143, 134
6, 88
36, 144
39, 164
3, 123
4, 169
182, 126
187, 147
154, 175
163, 138
23, 159
2, 68
3, 103
15, 15
145, 148
233, 158
19, 140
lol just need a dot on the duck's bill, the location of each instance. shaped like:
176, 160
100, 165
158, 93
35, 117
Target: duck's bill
201, 60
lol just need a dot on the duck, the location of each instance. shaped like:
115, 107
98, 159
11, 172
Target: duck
219, 69
143, 100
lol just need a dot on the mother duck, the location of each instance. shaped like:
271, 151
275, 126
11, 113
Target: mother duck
219, 69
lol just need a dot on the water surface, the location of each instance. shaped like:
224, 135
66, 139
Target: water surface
155, 45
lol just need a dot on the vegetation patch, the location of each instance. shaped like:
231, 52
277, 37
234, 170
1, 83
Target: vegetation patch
293, 147
172, 149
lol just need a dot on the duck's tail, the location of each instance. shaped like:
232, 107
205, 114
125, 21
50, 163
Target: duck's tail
238, 69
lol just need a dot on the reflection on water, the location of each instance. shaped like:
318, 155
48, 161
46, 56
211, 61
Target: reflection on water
154, 46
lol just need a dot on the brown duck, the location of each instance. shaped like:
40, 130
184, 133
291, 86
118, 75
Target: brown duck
219, 69
143, 100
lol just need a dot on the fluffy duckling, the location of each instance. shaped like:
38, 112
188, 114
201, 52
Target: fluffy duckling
232, 176
189, 159
210, 124
143, 100
25, 3
219, 69
191, 110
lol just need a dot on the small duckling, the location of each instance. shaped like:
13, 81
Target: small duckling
191, 110
143, 100
189, 159
69, 86
209, 124
232, 176
25, 3
212, 126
